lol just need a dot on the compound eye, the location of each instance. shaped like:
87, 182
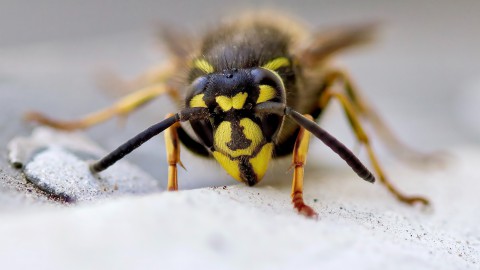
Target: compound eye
270, 85
199, 85
267, 77
197, 89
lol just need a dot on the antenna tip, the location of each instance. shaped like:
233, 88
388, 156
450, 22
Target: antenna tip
369, 177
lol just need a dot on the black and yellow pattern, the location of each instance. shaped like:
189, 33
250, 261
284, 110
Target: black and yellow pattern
253, 88
242, 141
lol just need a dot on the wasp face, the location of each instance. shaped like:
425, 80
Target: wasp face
241, 141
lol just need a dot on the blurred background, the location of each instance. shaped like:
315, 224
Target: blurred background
422, 74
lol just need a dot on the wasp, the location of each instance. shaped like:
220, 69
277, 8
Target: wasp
249, 91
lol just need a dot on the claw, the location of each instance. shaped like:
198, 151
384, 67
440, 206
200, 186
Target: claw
302, 208
414, 200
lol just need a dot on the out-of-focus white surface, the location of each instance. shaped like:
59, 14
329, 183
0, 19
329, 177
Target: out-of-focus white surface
238, 227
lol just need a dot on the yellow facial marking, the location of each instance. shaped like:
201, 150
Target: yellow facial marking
239, 100
277, 63
197, 101
236, 102
252, 132
203, 65
224, 102
231, 166
223, 135
266, 93
260, 162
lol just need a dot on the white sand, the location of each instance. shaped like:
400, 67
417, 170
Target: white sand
238, 227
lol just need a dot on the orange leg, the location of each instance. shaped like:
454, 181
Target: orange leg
362, 137
116, 86
299, 161
366, 111
122, 108
173, 155
148, 86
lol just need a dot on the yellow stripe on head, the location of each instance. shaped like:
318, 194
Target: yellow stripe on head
277, 63
224, 102
266, 93
260, 162
223, 135
231, 166
252, 131
239, 100
197, 101
273, 65
236, 102
203, 65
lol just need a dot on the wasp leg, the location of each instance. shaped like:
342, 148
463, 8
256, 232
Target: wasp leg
352, 116
398, 148
299, 160
122, 108
116, 86
173, 154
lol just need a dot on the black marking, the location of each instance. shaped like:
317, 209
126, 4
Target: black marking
239, 141
270, 125
285, 147
246, 172
222, 85
192, 144
204, 131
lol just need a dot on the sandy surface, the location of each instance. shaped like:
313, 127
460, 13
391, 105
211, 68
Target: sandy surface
100, 224
239, 227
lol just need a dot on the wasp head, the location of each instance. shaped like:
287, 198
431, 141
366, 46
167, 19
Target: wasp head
240, 140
